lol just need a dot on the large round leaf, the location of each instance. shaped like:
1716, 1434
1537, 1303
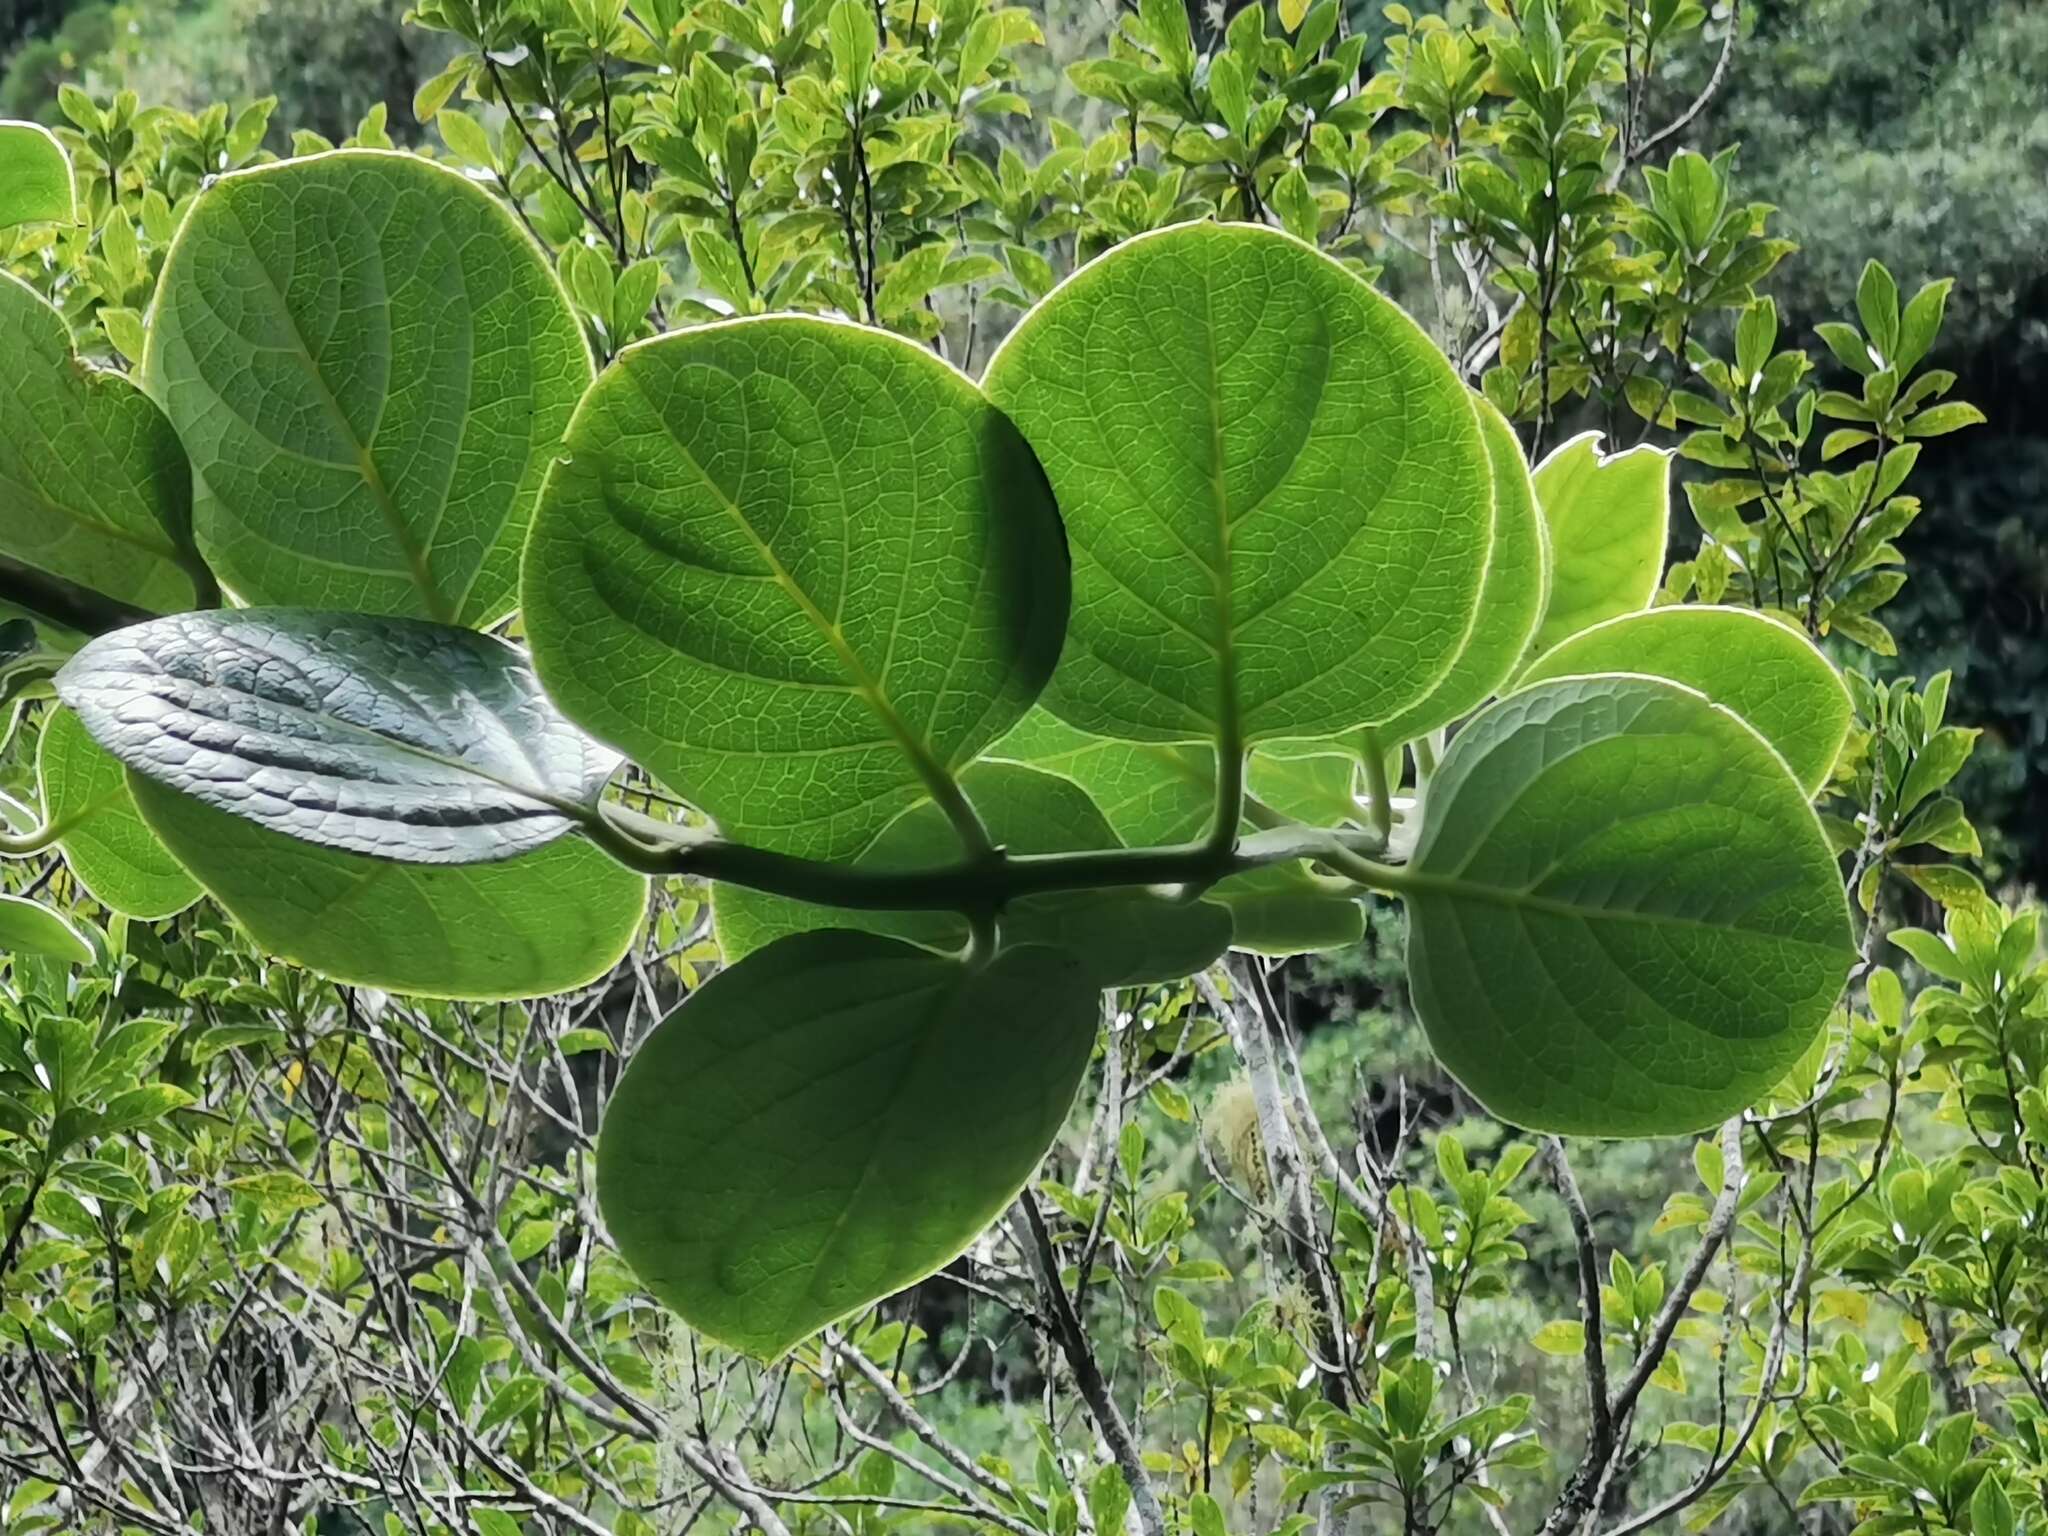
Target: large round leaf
1155, 793
1127, 937
544, 922
831, 1120
1511, 603
1274, 486
1625, 920
30, 928
35, 176
1607, 515
801, 570
371, 366
1765, 670
395, 737
93, 484
105, 840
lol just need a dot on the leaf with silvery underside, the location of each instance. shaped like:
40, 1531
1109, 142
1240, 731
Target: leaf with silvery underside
94, 487
832, 1120
419, 742
1624, 918
1607, 516
1155, 794
546, 921
1512, 602
1274, 487
35, 176
1759, 666
107, 844
801, 570
371, 365
1129, 937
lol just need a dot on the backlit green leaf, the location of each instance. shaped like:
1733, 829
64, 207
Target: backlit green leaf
93, 484
1126, 937
395, 737
1512, 602
1766, 671
1607, 516
1624, 917
371, 366
35, 176
1274, 487
547, 921
30, 928
105, 840
831, 1120
801, 570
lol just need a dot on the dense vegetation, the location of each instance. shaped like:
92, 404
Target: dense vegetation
1106, 664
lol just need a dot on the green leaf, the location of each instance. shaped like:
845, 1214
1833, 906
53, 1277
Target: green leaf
1760, 667
94, 486
801, 570
395, 737
1274, 487
1625, 919
1608, 516
30, 928
1155, 793
1563, 1337
1511, 603
1126, 938
831, 1120
371, 366
278, 1191
545, 922
105, 840
1991, 1512
35, 176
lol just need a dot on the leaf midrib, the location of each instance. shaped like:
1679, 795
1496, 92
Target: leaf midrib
422, 575
935, 776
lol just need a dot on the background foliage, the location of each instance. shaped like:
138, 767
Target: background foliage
281, 1254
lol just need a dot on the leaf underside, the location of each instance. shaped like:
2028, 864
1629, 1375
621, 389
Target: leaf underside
1763, 669
831, 1120
1625, 920
549, 920
371, 366
1274, 486
416, 742
94, 486
108, 845
800, 570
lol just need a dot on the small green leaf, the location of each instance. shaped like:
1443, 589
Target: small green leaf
1763, 669
1563, 1337
1624, 918
394, 737
1512, 602
547, 921
801, 570
371, 366
94, 486
35, 176
1275, 489
105, 840
1608, 517
831, 1120
1991, 1512
30, 928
